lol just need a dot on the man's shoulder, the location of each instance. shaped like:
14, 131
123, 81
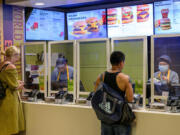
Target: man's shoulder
55, 69
70, 68
173, 72
123, 76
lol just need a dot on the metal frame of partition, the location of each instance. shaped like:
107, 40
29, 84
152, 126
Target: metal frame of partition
74, 65
152, 64
45, 58
144, 38
78, 60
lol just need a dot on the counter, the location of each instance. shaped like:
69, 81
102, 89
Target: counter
52, 119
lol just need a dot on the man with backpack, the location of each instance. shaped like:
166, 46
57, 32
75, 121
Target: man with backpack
120, 82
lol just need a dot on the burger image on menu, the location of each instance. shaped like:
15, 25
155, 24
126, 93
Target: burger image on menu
79, 27
112, 16
165, 23
127, 15
142, 13
34, 26
93, 24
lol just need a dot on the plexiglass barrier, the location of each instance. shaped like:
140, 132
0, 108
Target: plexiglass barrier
135, 50
34, 67
165, 65
92, 61
74, 66
62, 67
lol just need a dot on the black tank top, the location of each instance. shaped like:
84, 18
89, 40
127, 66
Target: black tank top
110, 79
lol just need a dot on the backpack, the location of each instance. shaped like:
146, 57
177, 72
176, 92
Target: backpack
2, 87
107, 104
110, 107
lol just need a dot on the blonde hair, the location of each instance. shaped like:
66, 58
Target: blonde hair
10, 51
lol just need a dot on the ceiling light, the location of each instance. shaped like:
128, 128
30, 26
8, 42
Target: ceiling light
39, 4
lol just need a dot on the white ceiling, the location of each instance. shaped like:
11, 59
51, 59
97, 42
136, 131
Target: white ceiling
48, 3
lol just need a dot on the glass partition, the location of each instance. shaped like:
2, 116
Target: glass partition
62, 67
135, 50
92, 61
165, 66
34, 67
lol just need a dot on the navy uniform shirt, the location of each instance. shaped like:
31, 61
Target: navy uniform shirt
63, 75
173, 79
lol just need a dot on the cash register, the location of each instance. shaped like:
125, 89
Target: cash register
173, 101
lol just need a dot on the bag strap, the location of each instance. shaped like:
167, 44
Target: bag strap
3, 67
102, 77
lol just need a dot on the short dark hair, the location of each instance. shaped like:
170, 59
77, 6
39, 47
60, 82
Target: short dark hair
117, 57
60, 55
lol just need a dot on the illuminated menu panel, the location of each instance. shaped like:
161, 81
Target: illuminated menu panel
167, 17
45, 25
130, 21
87, 24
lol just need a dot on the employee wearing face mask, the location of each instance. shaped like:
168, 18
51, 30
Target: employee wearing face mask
165, 75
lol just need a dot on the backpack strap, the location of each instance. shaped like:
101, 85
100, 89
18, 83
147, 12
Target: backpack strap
102, 76
3, 67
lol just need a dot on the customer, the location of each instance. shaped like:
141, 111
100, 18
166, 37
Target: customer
11, 112
120, 82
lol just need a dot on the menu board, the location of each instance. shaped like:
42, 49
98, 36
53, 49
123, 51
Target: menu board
45, 25
167, 17
87, 24
130, 21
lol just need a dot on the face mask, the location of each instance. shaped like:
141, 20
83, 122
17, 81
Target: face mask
163, 68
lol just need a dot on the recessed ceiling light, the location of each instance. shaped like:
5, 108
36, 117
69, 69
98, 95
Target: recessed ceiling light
39, 4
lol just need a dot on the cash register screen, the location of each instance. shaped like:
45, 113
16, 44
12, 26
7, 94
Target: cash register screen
175, 90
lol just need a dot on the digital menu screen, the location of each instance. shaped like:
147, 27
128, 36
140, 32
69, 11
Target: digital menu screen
130, 21
45, 25
87, 24
167, 17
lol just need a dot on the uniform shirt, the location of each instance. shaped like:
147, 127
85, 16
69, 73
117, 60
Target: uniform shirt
173, 79
63, 76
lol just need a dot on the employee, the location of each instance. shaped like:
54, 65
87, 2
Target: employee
61, 74
165, 75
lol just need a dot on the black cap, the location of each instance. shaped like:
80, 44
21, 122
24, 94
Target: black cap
60, 62
165, 58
